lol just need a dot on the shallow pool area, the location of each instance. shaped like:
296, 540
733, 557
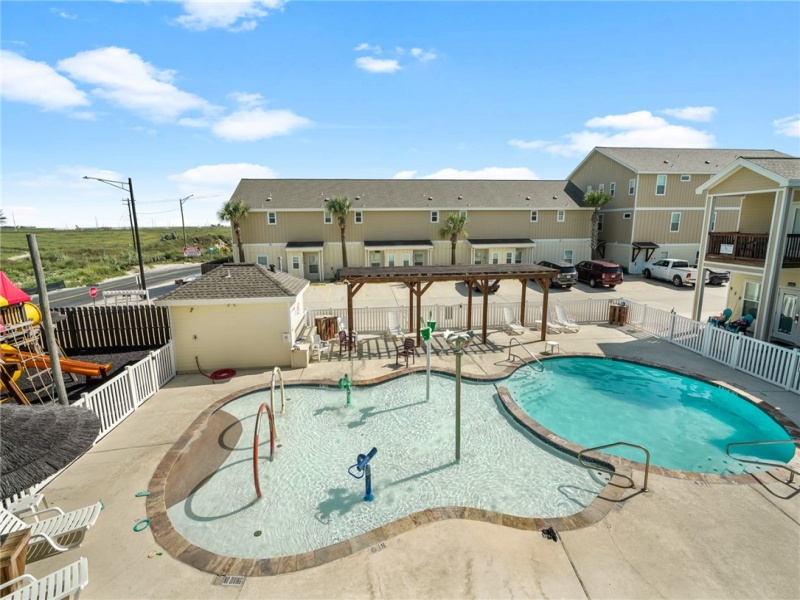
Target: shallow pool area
685, 423
311, 502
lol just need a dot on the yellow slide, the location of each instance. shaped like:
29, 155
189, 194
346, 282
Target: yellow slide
68, 365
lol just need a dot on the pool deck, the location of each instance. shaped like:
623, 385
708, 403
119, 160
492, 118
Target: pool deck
681, 539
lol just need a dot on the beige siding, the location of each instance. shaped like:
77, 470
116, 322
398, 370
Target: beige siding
757, 213
556, 249
236, 336
727, 220
677, 194
744, 180
601, 169
653, 226
789, 276
618, 253
616, 228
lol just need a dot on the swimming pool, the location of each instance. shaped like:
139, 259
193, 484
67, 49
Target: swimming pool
311, 502
684, 423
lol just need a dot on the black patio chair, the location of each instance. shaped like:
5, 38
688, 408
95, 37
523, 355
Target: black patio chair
406, 350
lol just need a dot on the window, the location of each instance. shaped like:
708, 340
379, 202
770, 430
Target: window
359, 217
713, 220
612, 188
374, 259
686, 177
509, 258
262, 260
495, 258
328, 218
601, 187
272, 218
534, 216
675, 222
518, 257
752, 296
661, 185
568, 256
296, 263
627, 216
478, 257
600, 219
588, 189
418, 259
631, 187
664, 254
390, 260
434, 216
560, 216
313, 264
406, 260
463, 213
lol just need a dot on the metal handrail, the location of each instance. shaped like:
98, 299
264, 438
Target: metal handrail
611, 472
764, 462
511, 343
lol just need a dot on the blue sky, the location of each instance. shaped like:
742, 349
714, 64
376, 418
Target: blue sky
186, 98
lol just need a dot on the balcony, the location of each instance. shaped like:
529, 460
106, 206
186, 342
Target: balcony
749, 248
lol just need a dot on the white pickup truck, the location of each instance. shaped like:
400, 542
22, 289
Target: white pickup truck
671, 269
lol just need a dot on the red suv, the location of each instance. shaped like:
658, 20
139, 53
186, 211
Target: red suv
599, 272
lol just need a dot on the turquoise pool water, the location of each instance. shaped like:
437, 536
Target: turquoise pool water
684, 423
309, 500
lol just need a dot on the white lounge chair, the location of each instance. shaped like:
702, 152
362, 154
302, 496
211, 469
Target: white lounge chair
68, 581
61, 532
394, 331
552, 327
511, 324
319, 347
564, 321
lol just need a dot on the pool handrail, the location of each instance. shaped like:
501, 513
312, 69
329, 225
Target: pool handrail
277, 371
521, 345
264, 407
611, 471
765, 463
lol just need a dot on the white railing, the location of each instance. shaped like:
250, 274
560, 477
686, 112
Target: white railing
777, 365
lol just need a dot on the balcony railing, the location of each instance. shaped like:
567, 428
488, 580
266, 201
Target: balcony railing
749, 248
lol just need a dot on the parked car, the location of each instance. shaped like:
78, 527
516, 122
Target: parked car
187, 279
493, 287
599, 272
671, 269
716, 277
567, 274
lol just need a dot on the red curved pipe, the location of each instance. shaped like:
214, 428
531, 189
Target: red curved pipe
262, 408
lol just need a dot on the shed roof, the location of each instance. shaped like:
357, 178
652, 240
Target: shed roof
681, 160
426, 194
236, 282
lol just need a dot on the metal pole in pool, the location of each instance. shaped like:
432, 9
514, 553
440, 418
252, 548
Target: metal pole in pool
458, 404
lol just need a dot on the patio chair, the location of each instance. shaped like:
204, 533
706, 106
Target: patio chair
406, 350
68, 581
347, 341
319, 347
562, 319
552, 327
510, 322
720, 320
740, 325
60, 532
394, 331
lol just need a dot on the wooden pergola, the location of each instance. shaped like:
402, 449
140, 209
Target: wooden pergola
419, 279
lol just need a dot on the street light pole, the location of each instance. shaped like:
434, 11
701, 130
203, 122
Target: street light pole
121, 185
183, 226
130, 220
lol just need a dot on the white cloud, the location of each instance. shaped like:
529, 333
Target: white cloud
219, 178
232, 16
248, 100
692, 113
37, 83
640, 128
423, 55
127, 80
70, 177
377, 65
257, 124
404, 175
365, 47
789, 126
486, 173
63, 14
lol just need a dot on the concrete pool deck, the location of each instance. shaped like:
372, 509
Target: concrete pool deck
681, 539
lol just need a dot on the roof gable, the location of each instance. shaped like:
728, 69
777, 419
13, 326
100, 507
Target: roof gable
785, 172
681, 160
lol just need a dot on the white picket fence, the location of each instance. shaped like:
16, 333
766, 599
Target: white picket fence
774, 364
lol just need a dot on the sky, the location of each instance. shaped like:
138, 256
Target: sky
187, 98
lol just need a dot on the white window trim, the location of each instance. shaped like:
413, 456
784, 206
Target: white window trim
601, 187
561, 216
327, 218
266, 260
568, 255
671, 230
464, 214
686, 178
600, 221
612, 188
631, 187
358, 217
627, 216
509, 258
664, 192
534, 216
434, 216
588, 189
272, 218
296, 263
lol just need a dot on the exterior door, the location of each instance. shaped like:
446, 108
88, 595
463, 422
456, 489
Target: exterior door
787, 314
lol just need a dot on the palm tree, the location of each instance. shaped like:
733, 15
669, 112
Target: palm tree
339, 207
234, 211
454, 227
596, 199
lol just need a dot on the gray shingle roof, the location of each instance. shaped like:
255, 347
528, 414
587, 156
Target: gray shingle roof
788, 168
237, 282
298, 194
681, 160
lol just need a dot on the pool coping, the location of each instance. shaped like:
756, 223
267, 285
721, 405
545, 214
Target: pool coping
181, 549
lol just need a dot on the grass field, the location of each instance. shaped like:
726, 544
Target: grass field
85, 256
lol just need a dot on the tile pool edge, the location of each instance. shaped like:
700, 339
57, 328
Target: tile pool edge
181, 549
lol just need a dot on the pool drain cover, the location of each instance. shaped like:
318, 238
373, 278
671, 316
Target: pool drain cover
257, 533
232, 580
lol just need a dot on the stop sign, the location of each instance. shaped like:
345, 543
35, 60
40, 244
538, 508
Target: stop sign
93, 291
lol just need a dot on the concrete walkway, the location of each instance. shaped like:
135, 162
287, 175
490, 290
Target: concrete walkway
681, 539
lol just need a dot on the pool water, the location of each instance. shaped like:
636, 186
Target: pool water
684, 423
309, 500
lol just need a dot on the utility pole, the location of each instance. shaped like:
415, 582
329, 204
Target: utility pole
130, 220
183, 226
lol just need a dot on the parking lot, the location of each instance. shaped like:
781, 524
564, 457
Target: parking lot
657, 294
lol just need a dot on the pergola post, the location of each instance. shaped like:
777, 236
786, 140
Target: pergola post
469, 283
485, 291
524, 283
410, 285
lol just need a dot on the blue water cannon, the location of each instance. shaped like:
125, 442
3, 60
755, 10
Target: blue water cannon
363, 468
